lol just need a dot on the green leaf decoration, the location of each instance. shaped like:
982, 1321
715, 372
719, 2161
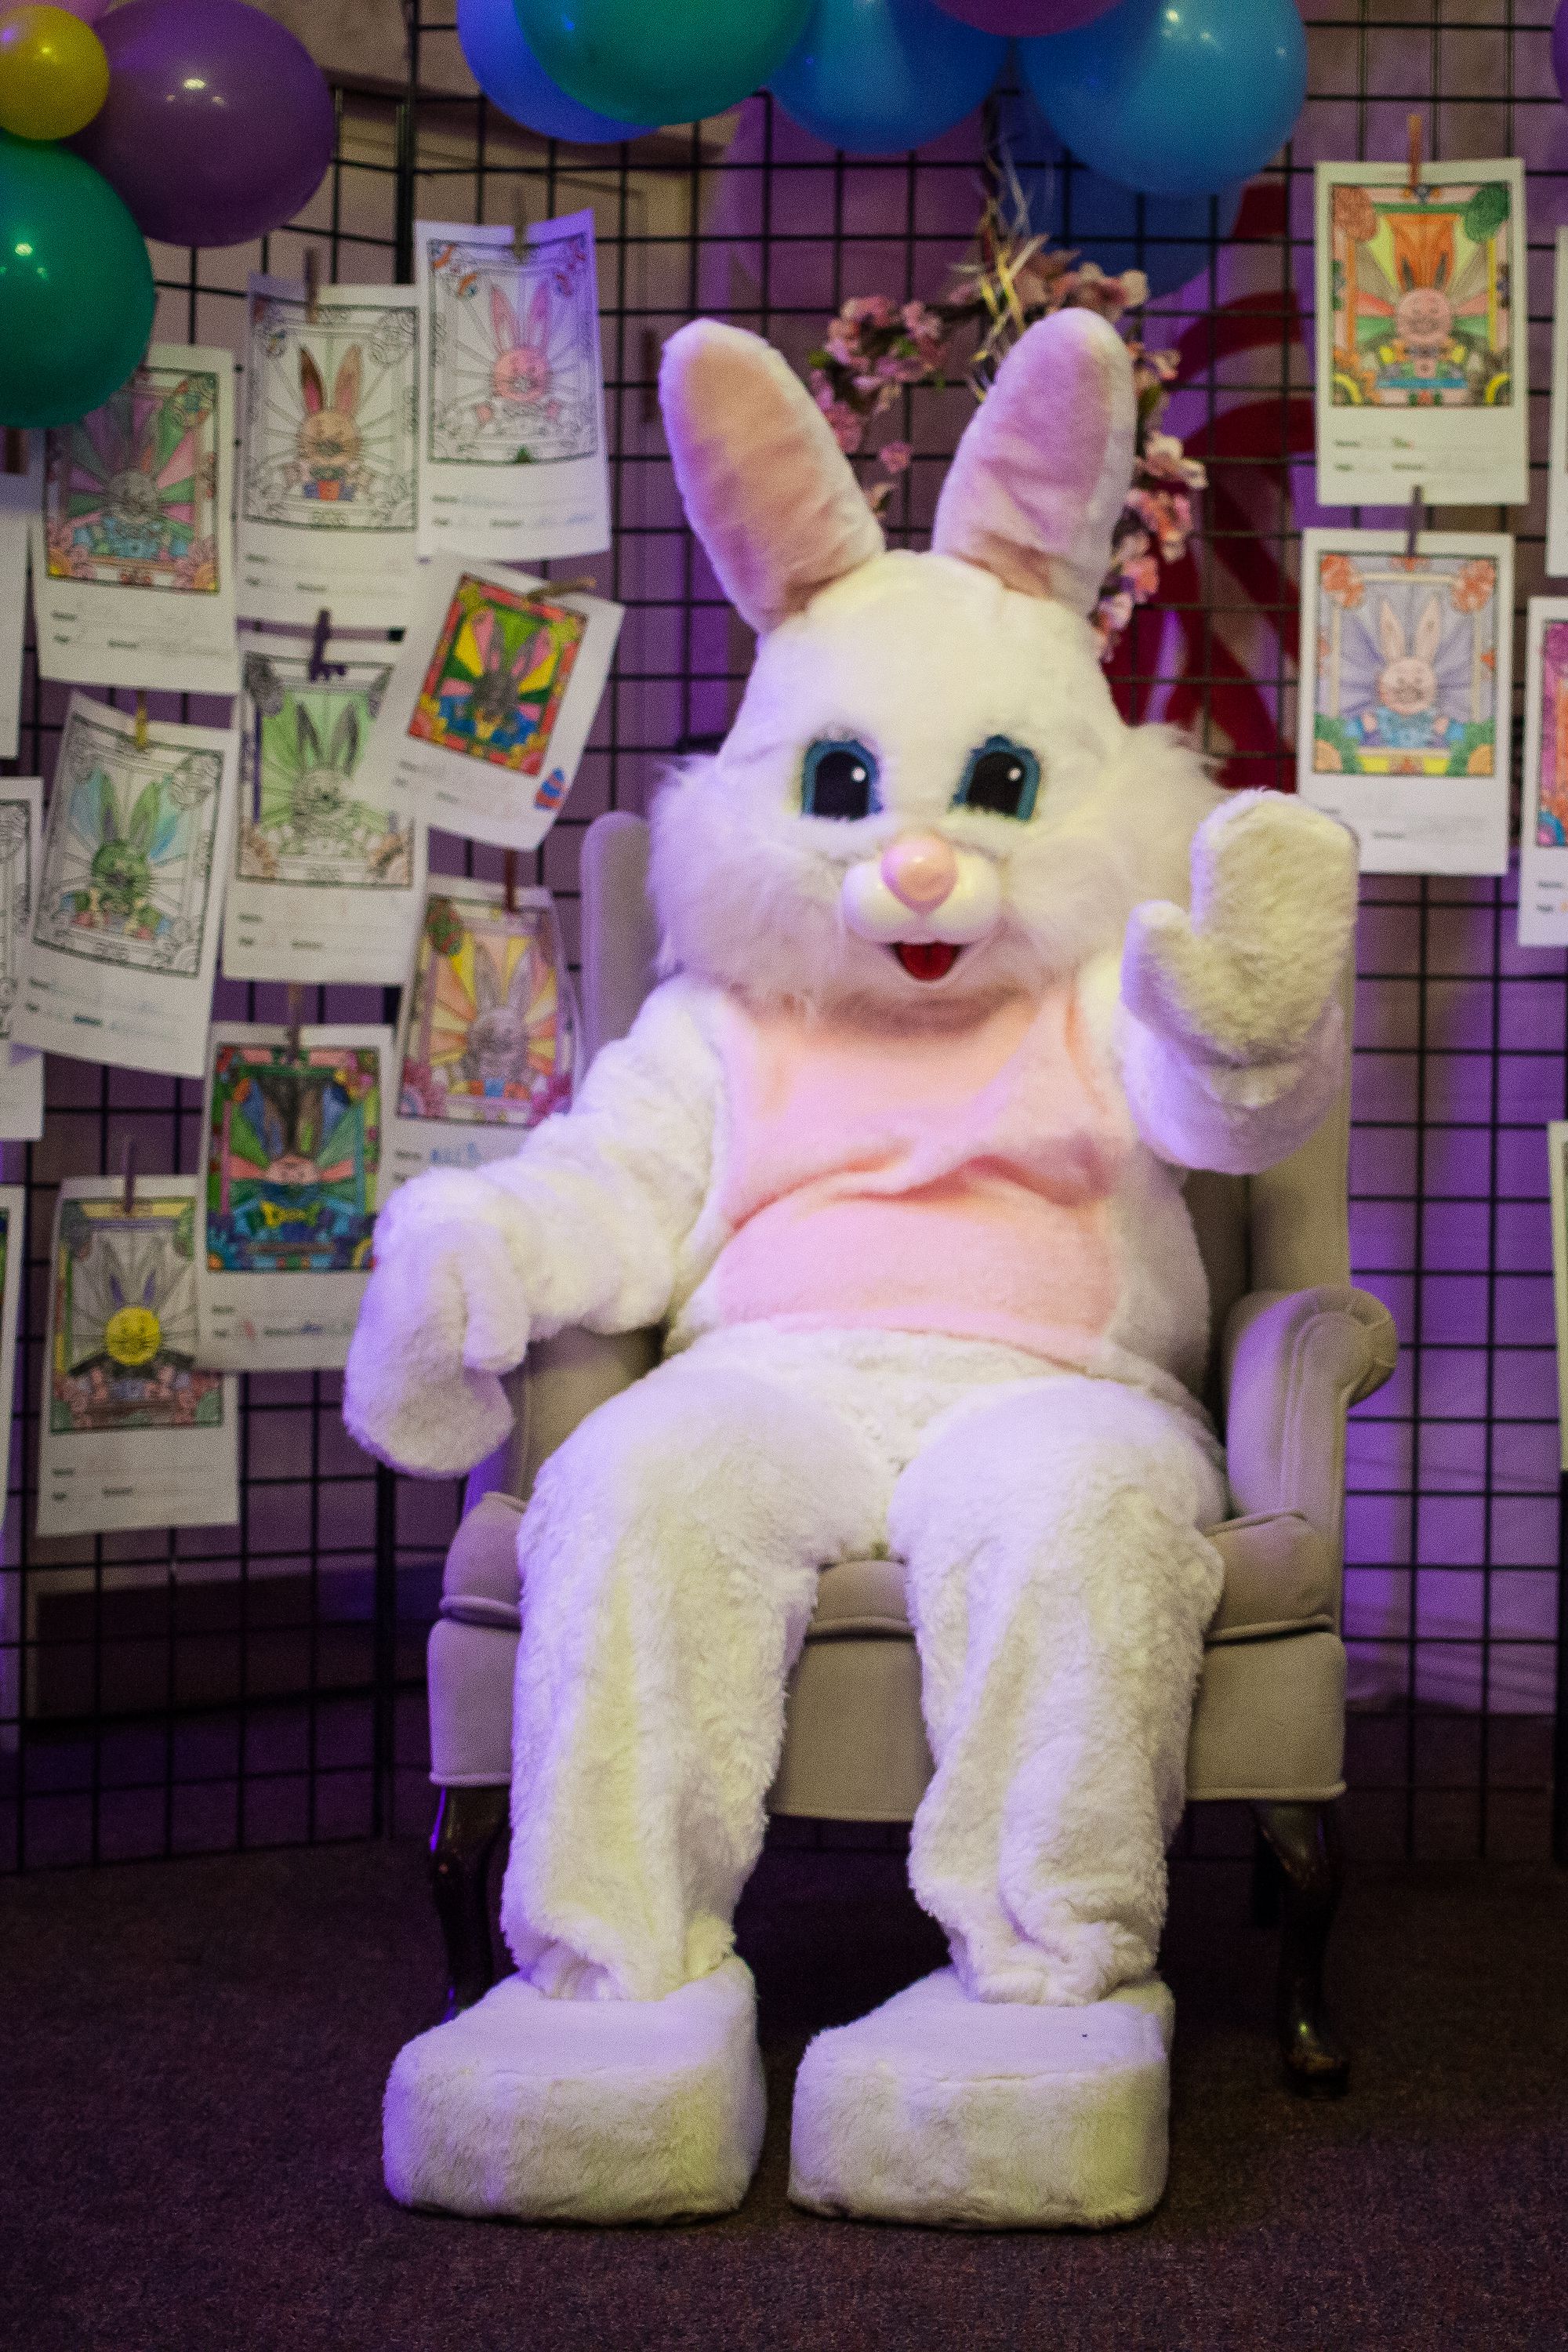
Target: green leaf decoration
1486, 212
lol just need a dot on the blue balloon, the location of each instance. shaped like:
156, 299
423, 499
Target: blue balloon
878, 77
512, 79
1175, 98
1169, 238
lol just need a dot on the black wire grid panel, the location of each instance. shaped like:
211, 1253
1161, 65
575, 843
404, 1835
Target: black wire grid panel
212, 1689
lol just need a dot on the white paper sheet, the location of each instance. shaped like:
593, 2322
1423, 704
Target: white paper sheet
292, 1161
1405, 672
120, 955
513, 453
324, 886
133, 1432
1543, 801
21, 1069
134, 552
490, 703
20, 495
487, 1041
13, 1260
327, 470
1557, 441
1422, 355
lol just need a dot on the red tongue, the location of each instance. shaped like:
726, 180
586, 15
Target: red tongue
927, 958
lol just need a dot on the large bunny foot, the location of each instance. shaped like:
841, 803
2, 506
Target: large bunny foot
1245, 977
987, 2115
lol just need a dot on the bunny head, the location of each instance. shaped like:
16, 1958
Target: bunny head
319, 799
1408, 683
329, 432
926, 798
496, 1052
521, 370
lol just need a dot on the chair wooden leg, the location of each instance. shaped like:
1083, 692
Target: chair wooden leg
1304, 1840
467, 1830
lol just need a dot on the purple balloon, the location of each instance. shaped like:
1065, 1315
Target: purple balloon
1026, 20
218, 124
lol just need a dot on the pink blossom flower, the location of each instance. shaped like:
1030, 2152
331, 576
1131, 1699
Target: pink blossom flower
895, 456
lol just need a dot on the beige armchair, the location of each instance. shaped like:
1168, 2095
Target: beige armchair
1298, 1347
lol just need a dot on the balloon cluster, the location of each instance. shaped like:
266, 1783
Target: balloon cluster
195, 122
1168, 97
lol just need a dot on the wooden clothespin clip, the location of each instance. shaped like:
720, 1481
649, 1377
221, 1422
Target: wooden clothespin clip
318, 636
313, 282
1413, 136
586, 586
140, 736
128, 1177
296, 1018
509, 881
1412, 522
16, 450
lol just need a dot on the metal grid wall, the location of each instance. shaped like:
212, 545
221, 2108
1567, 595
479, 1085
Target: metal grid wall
222, 1688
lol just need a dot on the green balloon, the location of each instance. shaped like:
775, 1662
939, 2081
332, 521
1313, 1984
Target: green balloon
671, 63
76, 286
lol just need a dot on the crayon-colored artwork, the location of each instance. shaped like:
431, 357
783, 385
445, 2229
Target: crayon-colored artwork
128, 854
513, 352
330, 421
17, 848
1406, 665
489, 1039
500, 671
1422, 296
293, 1159
131, 491
1552, 807
125, 1320
301, 818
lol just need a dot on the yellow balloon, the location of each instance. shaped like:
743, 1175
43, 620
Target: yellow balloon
54, 74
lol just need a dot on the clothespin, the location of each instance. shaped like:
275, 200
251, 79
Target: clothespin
295, 1017
140, 718
128, 1177
1412, 522
1413, 136
583, 587
318, 636
313, 282
509, 883
16, 450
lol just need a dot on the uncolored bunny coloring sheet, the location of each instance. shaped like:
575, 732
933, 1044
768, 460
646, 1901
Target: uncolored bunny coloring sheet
20, 495
292, 1175
122, 948
487, 1041
324, 885
1422, 352
21, 1069
134, 548
135, 1430
1405, 696
1543, 803
490, 704
513, 459
328, 498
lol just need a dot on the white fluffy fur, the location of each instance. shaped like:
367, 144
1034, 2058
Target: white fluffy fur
936, 2108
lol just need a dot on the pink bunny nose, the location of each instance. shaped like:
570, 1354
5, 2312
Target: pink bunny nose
920, 869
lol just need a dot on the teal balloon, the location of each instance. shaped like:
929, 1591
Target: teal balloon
76, 286
880, 76
1174, 97
660, 60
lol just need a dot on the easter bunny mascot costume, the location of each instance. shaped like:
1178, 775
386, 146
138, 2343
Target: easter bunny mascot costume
962, 976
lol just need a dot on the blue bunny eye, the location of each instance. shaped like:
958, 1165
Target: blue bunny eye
1003, 777
838, 779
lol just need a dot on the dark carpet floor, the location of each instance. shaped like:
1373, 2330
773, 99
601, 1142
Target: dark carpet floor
192, 2055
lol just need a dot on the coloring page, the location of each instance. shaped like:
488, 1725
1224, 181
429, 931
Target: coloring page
12, 1261
290, 1184
134, 1432
1405, 672
1557, 441
487, 1044
133, 554
119, 962
513, 465
327, 474
1422, 377
494, 689
324, 886
21, 1069
1544, 804
19, 496
1557, 1165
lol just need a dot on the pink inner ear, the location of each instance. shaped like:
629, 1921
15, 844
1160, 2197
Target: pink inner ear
504, 320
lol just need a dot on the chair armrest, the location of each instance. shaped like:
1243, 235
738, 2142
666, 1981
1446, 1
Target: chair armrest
559, 1383
1295, 1362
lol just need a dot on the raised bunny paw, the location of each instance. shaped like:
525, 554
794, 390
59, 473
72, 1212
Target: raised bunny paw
1245, 978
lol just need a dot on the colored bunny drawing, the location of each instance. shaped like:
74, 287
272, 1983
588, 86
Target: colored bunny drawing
130, 491
329, 461
519, 379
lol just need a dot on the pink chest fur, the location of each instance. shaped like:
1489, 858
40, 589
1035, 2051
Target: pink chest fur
955, 1181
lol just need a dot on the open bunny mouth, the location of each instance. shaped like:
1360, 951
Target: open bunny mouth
927, 958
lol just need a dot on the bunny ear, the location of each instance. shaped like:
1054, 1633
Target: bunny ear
345, 742
484, 629
527, 654
1428, 629
503, 318
346, 382
310, 384
519, 988
487, 994
1390, 633
539, 316
305, 735
766, 486
1042, 472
